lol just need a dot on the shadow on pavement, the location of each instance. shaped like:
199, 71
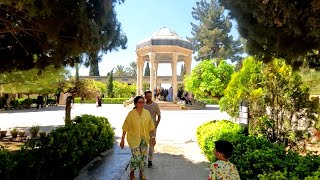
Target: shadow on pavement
212, 108
167, 166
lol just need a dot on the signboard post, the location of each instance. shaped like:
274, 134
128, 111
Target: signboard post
243, 113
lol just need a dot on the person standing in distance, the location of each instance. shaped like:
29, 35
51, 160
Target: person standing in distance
154, 110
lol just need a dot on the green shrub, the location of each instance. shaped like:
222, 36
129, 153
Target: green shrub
6, 162
64, 151
104, 100
210, 101
256, 157
26, 103
212, 131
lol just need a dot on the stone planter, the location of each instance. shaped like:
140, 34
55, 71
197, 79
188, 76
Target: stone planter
14, 134
34, 134
21, 133
42, 134
3, 133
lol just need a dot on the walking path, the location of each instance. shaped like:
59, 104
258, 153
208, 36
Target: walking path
177, 155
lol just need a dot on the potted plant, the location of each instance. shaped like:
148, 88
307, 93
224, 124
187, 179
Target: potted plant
14, 132
21, 133
42, 134
34, 131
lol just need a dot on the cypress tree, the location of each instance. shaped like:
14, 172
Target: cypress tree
147, 70
110, 85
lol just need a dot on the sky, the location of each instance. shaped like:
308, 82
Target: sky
139, 19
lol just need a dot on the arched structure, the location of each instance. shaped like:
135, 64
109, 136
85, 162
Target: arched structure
164, 46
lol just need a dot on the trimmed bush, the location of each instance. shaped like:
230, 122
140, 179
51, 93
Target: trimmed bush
210, 101
104, 100
256, 157
64, 151
212, 131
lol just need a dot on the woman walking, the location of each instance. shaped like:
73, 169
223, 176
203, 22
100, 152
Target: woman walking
140, 127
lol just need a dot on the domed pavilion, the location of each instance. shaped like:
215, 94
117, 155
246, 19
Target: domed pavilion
164, 46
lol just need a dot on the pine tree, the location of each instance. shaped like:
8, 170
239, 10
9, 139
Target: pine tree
282, 28
147, 70
211, 39
110, 85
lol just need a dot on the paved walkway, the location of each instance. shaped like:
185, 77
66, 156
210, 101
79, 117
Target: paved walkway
177, 154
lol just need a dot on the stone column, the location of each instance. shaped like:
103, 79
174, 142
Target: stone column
141, 76
174, 75
152, 64
138, 77
156, 74
187, 64
139, 84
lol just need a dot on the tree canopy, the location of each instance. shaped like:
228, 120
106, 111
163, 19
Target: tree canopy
37, 33
32, 81
132, 69
282, 28
120, 71
278, 101
211, 38
206, 79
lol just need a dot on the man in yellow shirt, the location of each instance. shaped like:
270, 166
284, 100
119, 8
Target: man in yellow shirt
139, 127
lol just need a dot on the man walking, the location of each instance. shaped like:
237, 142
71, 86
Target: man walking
154, 110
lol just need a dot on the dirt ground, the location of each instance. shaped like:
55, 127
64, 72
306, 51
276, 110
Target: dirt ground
11, 145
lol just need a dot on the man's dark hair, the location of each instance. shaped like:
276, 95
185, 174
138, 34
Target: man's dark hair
145, 93
224, 147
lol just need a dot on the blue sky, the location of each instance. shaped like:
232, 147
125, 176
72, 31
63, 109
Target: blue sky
139, 19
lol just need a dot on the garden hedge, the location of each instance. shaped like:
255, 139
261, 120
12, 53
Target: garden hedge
104, 100
210, 101
62, 153
256, 157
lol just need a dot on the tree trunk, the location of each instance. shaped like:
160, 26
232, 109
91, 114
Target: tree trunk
8, 100
68, 111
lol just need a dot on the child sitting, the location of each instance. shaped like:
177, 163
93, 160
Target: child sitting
222, 169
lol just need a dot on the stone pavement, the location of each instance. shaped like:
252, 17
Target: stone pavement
172, 161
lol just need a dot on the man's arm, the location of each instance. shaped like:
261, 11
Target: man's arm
158, 120
158, 115
152, 138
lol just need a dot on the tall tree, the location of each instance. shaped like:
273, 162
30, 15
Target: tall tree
207, 79
132, 69
147, 70
120, 71
94, 59
282, 28
37, 33
182, 71
110, 84
211, 38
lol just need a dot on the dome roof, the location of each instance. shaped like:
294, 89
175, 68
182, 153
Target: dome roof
165, 36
